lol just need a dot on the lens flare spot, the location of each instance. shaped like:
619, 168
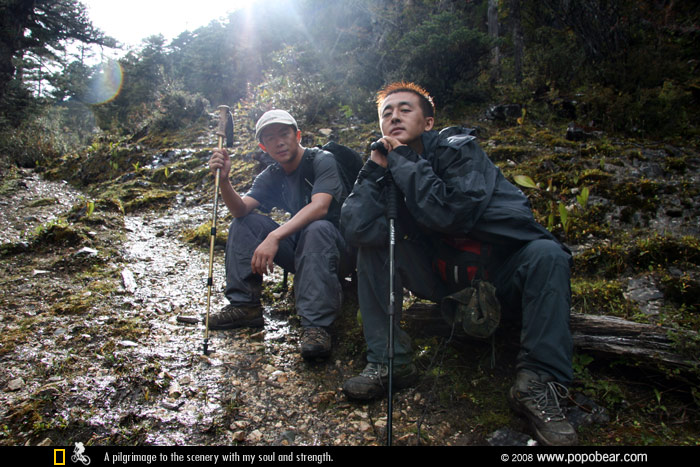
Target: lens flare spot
105, 83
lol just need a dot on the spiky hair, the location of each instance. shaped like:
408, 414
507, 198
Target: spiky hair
426, 102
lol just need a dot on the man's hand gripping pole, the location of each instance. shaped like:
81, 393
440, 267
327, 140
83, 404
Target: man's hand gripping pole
223, 132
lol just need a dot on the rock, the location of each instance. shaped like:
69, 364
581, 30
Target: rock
187, 319
326, 132
174, 391
644, 292
128, 280
577, 133
254, 436
507, 437
287, 437
45, 442
364, 426
504, 112
586, 412
15, 384
171, 404
127, 343
86, 252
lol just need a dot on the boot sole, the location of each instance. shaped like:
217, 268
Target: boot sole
308, 354
253, 323
380, 391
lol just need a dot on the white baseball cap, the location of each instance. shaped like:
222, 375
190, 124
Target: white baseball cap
274, 116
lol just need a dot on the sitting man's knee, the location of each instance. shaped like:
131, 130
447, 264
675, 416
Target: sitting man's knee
320, 227
549, 251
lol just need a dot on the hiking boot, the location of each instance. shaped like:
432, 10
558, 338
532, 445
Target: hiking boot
372, 382
537, 398
315, 343
232, 316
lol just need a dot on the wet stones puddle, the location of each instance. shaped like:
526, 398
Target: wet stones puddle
198, 391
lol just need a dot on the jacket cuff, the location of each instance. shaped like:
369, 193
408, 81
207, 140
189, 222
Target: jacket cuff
405, 152
372, 170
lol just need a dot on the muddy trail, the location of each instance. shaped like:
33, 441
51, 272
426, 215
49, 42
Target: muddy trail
102, 295
113, 357
104, 334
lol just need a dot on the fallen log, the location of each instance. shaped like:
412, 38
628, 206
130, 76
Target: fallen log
606, 336
648, 343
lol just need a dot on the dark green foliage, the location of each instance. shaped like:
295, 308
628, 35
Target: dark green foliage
624, 66
627, 66
34, 34
179, 109
440, 53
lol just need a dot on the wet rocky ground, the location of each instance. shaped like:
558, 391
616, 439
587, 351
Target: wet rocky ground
100, 315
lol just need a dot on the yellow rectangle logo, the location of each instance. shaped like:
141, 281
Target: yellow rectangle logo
59, 457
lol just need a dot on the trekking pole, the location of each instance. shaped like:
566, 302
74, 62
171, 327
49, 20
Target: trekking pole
392, 214
224, 117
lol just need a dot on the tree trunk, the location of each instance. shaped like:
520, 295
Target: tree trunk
518, 45
606, 336
493, 34
14, 15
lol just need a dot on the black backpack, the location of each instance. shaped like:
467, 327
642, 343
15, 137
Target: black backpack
349, 165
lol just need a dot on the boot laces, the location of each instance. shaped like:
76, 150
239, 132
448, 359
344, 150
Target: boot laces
546, 396
374, 371
233, 312
314, 335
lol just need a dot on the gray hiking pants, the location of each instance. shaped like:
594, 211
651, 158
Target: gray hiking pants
533, 281
316, 256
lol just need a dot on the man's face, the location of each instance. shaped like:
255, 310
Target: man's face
401, 117
281, 142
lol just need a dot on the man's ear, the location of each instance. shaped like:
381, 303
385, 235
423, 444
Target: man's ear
429, 122
298, 136
260, 145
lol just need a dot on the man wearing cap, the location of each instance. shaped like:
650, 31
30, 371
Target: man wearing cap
309, 244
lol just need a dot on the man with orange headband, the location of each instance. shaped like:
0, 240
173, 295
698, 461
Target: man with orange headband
451, 199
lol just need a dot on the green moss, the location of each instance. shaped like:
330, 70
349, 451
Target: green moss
128, 329
589, 222
74, 304
58, 233
665, 250
9, 180
13, 335
593, 176
676, 164
547, 138
600, 297
510, 152
201, 235
606, 260
148, 199
639, 195
683, 290
43, 202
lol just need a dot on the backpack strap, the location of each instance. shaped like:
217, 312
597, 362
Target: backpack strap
460, 261
307, 175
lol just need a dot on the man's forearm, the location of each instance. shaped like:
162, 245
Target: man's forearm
233, 200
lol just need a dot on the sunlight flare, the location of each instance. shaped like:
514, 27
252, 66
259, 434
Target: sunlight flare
106, 83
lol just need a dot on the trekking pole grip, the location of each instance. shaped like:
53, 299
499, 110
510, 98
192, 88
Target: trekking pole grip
223, 119
392, 201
